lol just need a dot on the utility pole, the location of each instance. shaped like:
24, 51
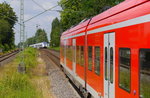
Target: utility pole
22, 26
21, 67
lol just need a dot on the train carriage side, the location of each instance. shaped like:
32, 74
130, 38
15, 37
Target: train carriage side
125, 52
118, 53
73, 56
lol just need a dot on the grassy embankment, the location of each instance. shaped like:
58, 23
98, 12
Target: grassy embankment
29, 85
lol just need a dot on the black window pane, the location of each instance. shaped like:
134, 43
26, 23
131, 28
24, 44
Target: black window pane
106, 77
90, 58
111, 65
97, 60
124, 70
145, 73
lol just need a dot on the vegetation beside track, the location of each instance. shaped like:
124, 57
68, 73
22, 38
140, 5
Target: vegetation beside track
28, 85
30, 59
55, 48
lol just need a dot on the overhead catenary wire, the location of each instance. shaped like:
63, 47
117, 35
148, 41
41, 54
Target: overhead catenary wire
43, 12
40, 13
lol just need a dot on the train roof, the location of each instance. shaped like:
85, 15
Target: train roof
127, 4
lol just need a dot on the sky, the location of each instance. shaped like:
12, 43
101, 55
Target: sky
31, 9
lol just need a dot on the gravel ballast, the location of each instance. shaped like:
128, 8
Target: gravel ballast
59, 84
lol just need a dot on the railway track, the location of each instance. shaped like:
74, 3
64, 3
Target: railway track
6, 57
54, 57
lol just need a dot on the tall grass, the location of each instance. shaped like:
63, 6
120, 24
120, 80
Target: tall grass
29, 57
17, 85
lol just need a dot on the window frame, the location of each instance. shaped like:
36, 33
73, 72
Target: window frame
129, 91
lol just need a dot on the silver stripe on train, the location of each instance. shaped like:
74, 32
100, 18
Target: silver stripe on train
130, 22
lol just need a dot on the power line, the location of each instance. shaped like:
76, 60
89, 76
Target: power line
43, 12
40, 13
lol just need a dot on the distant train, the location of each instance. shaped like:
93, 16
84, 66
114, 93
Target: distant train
40, 45
108, 56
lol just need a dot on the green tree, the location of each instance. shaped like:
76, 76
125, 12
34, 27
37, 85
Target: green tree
8, 19
55, 33
7, 13
30, 41
71, 13
4, 31
41, 36
76, 10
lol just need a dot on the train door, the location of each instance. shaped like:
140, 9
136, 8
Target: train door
74, 56
109, 65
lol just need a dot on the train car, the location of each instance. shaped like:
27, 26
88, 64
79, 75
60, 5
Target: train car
40, 45
108, 56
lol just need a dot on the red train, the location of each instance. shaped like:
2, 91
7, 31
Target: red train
108, 55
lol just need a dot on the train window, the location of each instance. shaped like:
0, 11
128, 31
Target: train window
106, 77
144, 73
97, 60
66, 52
73, 52
63, 50
90, 58
62, 53
77, 54
82, 56
69, 53
124, 68
111, 65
